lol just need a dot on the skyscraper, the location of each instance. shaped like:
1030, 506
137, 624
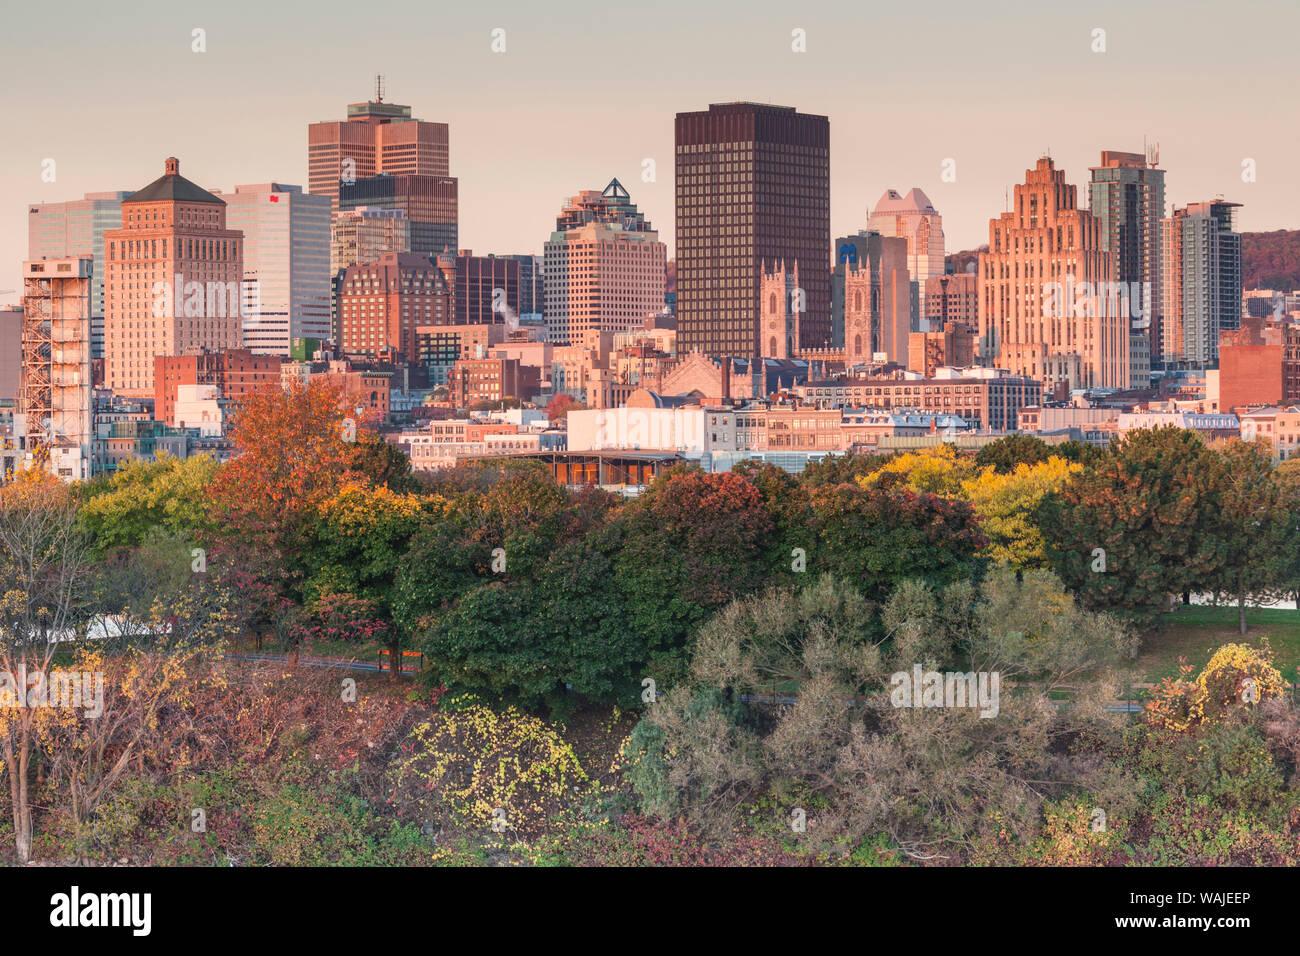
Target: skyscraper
914, 218
172, 282
286, 286
76, 228
1201, 281
377, 137
364, 234
605, 267
1042, 313
428, 203
1127, 195
382, 158
487, 289
532, 288
753, 186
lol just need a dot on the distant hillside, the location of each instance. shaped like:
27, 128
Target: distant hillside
1271, 260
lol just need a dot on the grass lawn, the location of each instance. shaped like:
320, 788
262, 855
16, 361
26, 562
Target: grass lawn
1197, 632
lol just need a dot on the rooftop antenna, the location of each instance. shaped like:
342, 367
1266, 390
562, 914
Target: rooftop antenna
379, 88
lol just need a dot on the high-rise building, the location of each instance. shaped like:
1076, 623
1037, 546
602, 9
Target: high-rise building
532, 286
871, 298
286, 290
380, 157
1127, 195
377, 137
605, 266
364, 234
1044, 309
55, 416
1201, 281
172, 283
428, 203
381, 303
914, 218
487, 289
76, 228
753, 186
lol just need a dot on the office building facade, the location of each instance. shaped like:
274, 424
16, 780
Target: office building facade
286, 292
605, 267
76, 228
752, 186
173, 276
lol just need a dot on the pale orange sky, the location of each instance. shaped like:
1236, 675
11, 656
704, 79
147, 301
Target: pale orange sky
586, 90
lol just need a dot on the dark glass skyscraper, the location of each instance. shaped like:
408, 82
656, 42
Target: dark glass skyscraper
753, 187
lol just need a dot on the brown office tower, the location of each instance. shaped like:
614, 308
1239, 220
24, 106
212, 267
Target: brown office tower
487, 289
382, 158
753, 186
172, 282
429, 204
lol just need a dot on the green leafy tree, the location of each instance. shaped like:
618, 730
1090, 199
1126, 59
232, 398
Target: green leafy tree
1138, 525
167, 493
875, 537
1255, 526
1012, 450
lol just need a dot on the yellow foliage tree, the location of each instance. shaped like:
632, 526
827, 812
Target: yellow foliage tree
1006, 504
938, 471
1237, 675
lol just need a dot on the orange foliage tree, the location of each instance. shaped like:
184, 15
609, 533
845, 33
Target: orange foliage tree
294, 453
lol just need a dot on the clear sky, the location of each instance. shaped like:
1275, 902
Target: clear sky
587, 89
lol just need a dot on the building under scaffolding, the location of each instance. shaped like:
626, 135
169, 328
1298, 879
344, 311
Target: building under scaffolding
54, 423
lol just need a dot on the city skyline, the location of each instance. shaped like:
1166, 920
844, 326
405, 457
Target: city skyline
525, 134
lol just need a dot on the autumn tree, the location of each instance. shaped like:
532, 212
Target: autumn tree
45, 560
140, 497
558, 408
936, 471
292, 455
1007, 504
1137, 526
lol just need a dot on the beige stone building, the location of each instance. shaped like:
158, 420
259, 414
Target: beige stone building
1044, 312
172, 281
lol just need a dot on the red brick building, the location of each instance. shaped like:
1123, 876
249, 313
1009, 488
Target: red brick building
1259, 364
237, 373
382, 303
491, 380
